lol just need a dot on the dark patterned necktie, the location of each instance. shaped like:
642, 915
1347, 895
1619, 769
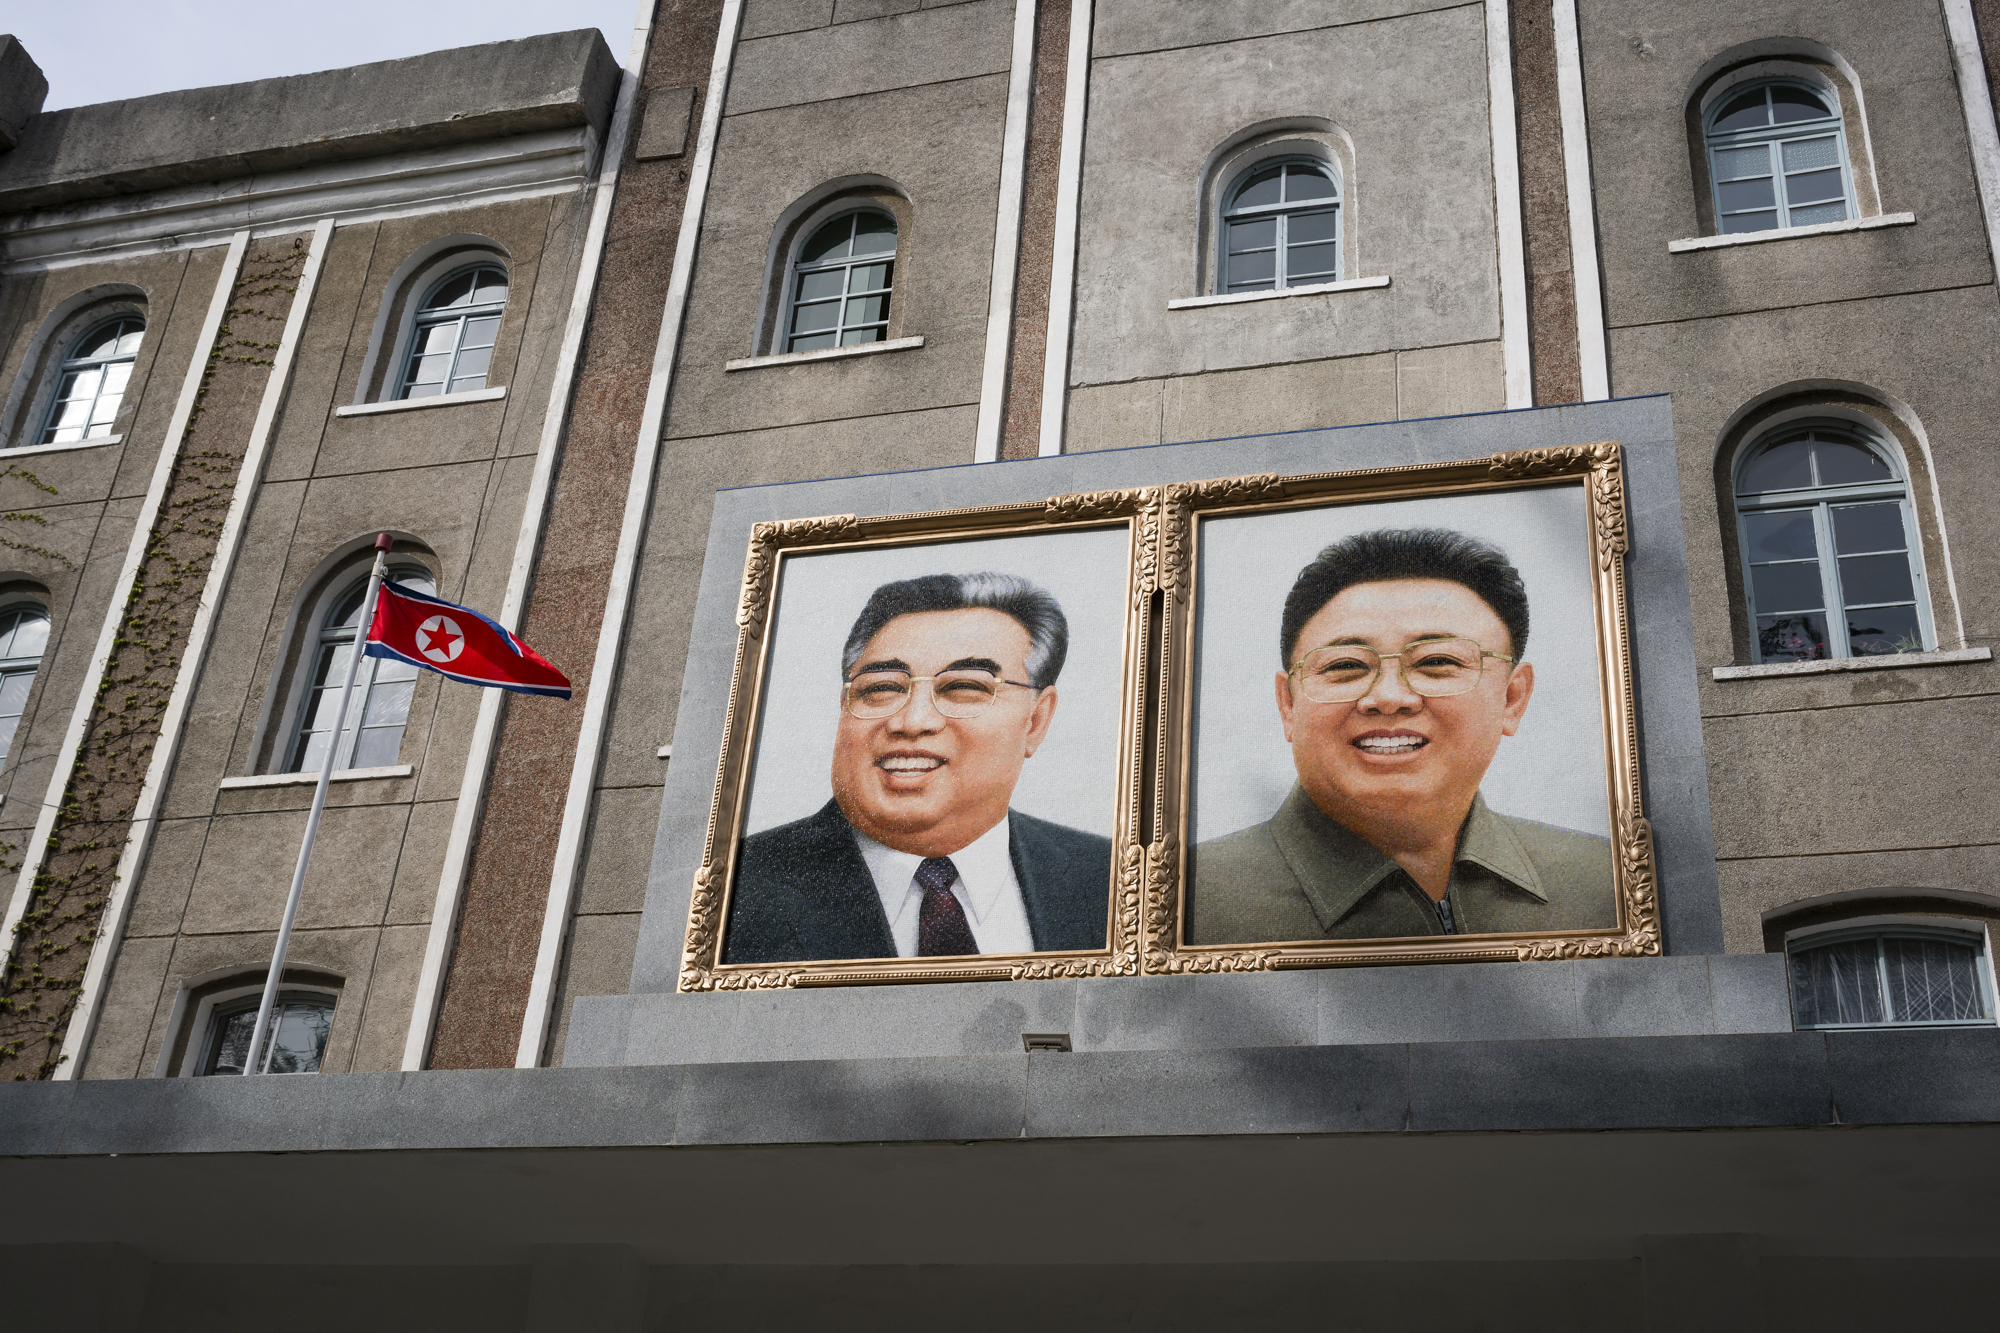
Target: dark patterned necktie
941, 924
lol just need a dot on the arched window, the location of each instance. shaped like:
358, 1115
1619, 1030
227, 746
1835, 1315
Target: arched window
841, 283
297, 1030
1830, 562
1281, 227
94, 375
380, 705
451, 340
1890, 975
24, 633
1777, 155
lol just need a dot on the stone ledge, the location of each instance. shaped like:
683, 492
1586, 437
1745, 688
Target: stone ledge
27, 450
409, 404
1313, 289
1885, 662
307, 779
1791, 233
823, 354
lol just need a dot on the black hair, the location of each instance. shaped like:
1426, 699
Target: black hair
1407, 553
1040, 614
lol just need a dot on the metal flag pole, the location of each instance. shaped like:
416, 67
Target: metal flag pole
251, 1063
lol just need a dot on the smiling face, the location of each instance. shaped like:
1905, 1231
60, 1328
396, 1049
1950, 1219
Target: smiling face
1395, 759
928, 784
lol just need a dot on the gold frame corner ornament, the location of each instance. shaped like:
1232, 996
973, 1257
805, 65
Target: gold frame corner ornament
1598, 468
771, 543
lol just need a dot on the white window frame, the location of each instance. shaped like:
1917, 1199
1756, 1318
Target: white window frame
795, 270
1822, 499
1775, 137
1227, 212
1877, 928
201, 1024
419, 322
72, 363
321, 636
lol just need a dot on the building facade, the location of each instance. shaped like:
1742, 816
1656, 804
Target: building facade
568, 330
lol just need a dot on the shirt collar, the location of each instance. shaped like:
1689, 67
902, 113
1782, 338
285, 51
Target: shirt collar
1337, 868
985, 870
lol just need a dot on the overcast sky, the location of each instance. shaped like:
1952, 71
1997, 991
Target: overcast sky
112, 49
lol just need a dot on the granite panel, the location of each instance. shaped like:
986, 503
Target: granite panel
1914, 1077
969, 1097
1318, 1090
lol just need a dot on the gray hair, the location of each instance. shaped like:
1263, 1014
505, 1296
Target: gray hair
1039, 614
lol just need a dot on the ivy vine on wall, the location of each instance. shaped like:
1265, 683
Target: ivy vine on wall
79, 864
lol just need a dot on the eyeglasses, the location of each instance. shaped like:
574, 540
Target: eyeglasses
1434, 668
956, 694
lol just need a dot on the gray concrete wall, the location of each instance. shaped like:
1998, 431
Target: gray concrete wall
1901, 321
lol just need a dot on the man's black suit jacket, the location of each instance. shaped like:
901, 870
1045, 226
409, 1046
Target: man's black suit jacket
803, 892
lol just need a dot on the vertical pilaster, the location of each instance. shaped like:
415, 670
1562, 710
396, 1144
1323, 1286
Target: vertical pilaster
1552, 335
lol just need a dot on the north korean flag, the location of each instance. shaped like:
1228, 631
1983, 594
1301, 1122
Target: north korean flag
458, 642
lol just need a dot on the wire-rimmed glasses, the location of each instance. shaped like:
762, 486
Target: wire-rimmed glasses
1341, 673
960, 694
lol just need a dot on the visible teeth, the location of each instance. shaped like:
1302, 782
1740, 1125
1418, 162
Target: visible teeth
1391, 744
910, 764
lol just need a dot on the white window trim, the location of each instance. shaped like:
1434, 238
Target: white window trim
306, 779
1791, 233
22, 451
412, 404
411, 282
1316, 289
1884, 662
823, 354
312, 624
1225, 213
783, 335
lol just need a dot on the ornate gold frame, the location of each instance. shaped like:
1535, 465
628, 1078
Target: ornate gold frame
1594, 466
770, 545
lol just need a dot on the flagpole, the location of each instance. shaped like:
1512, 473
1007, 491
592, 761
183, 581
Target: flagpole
251, 1063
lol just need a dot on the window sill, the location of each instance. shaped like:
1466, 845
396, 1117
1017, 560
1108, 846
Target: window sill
823, 354
412, 404
1787, 233
27, 449
303, 779
1317, 288
1886, 662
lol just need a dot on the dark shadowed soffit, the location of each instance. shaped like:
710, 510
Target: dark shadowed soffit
550, 82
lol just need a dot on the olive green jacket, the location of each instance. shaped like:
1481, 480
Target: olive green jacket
1302, 876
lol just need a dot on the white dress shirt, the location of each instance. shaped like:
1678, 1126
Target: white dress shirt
986, 888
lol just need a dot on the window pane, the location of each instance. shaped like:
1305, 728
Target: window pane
1873, 527
1736, 163
491, 287
1868, 579
377, 747
1317, 262
430, 370
1261, 268
481, 332
1836, 983
1933, 980
116, 377
1737, 195
1793, 587
811, 342
456, 292
1806, 154
829, 242
1784, 534
105, 412
1791, 638
1742, 222
7, 726
1303, 182
14, 692
97, 343
471, 365
1814, 186
133, 334
1782, 467
232, 1046
875, 234
436, 338
1848, 464
1744, 112
1303, 227
1883, 630
868, 277
1259, 235
813, 318
31, 635
312, 752
300, 1042
867, 309
1260, 189
1818, 213
855, 337
1790, 104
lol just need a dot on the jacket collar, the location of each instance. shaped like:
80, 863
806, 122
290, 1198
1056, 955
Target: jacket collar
1337, 868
